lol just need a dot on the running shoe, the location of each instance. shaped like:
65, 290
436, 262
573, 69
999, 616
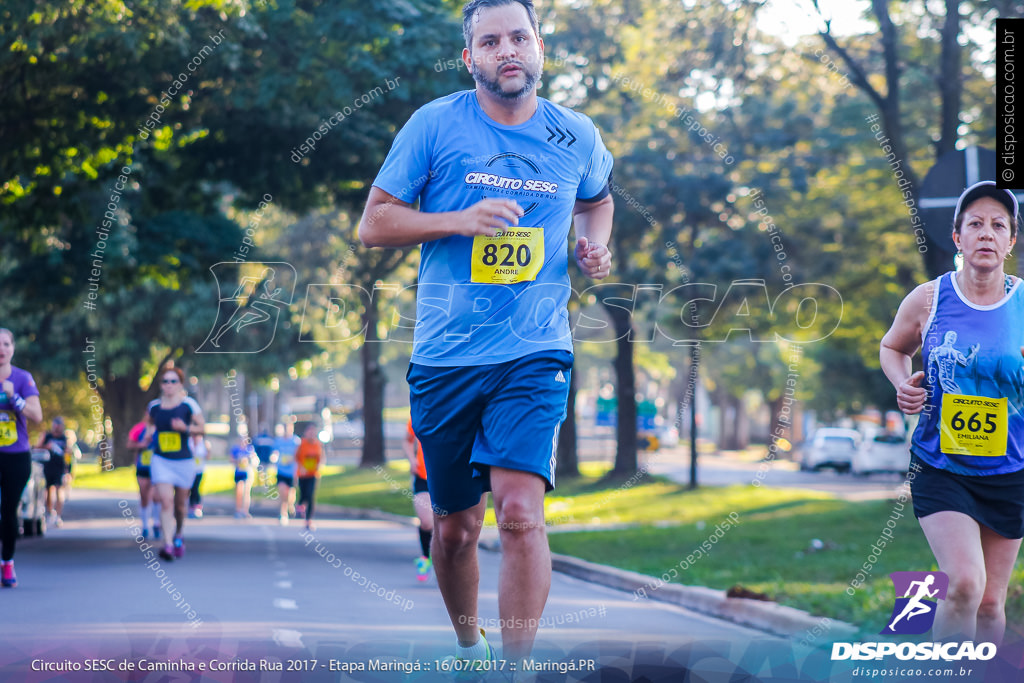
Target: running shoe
466, 669
423, 565
179, 547
199, 511
145, 534
156, 532
283, 520
167, 553
7, 577
58, 522
192, 512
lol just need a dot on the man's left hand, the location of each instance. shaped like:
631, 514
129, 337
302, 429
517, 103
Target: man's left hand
593, 258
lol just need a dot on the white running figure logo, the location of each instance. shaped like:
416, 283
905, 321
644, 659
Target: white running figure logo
259, 310
915, 607
946, 358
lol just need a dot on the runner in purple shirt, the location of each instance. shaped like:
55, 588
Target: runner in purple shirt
19, 399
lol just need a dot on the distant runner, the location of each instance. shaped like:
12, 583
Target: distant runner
19, 402
173, 418
420, 500
54, 470
308, 458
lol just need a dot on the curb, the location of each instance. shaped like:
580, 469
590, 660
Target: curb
765, 616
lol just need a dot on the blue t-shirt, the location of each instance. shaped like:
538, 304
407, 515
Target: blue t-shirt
243, 456
286, 447
450, 155
973, 351
264, 445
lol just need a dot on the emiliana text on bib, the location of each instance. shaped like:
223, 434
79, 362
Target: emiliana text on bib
973, 425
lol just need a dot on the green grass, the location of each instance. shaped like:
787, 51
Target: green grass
659, 523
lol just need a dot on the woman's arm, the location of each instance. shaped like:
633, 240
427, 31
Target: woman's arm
901, 342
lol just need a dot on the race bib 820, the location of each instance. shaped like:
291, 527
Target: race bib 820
514, 255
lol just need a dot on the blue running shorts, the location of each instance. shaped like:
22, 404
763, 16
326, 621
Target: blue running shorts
471, 418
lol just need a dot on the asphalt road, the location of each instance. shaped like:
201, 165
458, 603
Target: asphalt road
726, 469
251, 594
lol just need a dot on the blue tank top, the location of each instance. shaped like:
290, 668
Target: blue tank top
973, 418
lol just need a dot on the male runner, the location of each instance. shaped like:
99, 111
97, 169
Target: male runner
500, 174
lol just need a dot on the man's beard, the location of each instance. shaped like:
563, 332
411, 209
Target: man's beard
493, 86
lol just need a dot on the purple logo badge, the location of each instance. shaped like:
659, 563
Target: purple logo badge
917, 597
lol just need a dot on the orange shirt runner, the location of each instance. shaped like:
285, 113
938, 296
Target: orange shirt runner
308, 458
421, 467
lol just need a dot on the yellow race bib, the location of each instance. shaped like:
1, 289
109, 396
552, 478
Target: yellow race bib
170, 442
514, 255
146, 457
8, 428
973, 425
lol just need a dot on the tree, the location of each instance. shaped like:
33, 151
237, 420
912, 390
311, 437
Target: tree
912, 39
107, 118
670, 186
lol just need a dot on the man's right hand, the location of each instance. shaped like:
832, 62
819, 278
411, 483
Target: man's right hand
487, 217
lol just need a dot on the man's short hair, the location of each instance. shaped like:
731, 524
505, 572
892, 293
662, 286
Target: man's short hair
470, 9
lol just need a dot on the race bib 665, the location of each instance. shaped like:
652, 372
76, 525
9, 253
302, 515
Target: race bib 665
973, 425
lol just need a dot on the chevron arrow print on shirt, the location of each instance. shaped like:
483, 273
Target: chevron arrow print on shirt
561, 135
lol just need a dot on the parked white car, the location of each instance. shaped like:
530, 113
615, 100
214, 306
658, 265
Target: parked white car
885, 452
830, 447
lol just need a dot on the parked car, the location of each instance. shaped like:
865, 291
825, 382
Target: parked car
830, 447
885, 452
32, 508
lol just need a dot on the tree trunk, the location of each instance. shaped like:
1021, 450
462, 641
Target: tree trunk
719, 399
776, 428
950, 80
625, 389
692, 388
567, 463
731, 407
124, 403
236, 402
373, 390
742, 425
936, 261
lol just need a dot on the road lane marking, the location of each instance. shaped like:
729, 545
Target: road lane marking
288, 638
